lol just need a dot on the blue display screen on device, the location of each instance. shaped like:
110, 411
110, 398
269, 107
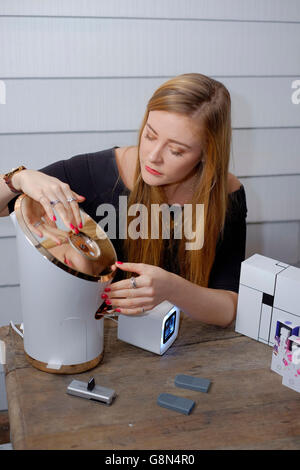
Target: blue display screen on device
169, 327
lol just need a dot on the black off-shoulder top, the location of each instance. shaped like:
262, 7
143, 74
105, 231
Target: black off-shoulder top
96, 176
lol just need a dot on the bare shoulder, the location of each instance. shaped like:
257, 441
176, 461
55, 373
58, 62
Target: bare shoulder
233, 183
126, 159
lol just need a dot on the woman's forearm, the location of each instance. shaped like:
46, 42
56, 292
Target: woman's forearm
212, 306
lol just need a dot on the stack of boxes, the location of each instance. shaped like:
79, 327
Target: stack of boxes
286, 354
269, 311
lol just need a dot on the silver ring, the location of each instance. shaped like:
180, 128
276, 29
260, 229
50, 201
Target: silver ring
37, 224
71, 199
53, 203
133, 283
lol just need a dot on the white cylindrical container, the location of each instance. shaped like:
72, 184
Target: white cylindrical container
61, 286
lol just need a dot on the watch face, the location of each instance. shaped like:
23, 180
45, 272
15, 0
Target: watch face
7, 178
14, 170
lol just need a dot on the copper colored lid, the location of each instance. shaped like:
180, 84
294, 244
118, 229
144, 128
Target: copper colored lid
87, 255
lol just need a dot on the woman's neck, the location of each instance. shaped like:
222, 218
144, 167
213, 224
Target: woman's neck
182, 192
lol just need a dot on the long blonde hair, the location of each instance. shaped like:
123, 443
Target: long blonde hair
208, 103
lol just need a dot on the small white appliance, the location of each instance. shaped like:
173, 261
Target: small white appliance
155, 330
62, 277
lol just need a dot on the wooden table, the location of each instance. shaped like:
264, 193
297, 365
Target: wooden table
246, 407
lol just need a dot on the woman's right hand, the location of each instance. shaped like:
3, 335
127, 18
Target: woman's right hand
44, 189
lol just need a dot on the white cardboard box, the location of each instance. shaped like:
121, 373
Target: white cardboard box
269, 291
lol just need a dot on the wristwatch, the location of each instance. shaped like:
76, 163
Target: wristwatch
8, 177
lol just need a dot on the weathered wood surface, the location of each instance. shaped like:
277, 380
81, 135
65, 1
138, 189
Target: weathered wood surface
246, 407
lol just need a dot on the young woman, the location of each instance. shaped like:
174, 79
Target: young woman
182, 158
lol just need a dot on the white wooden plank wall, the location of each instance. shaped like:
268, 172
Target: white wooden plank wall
78, 74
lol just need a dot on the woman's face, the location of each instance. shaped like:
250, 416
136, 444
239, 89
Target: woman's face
170, 146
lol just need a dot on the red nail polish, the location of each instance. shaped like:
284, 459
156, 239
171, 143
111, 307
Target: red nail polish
76, 230
80, 225
119, 262
54, 218
104, 296
107, 289
72, 226
108, 302
117, 310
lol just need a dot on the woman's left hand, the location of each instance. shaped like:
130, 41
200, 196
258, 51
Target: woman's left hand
152, 287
